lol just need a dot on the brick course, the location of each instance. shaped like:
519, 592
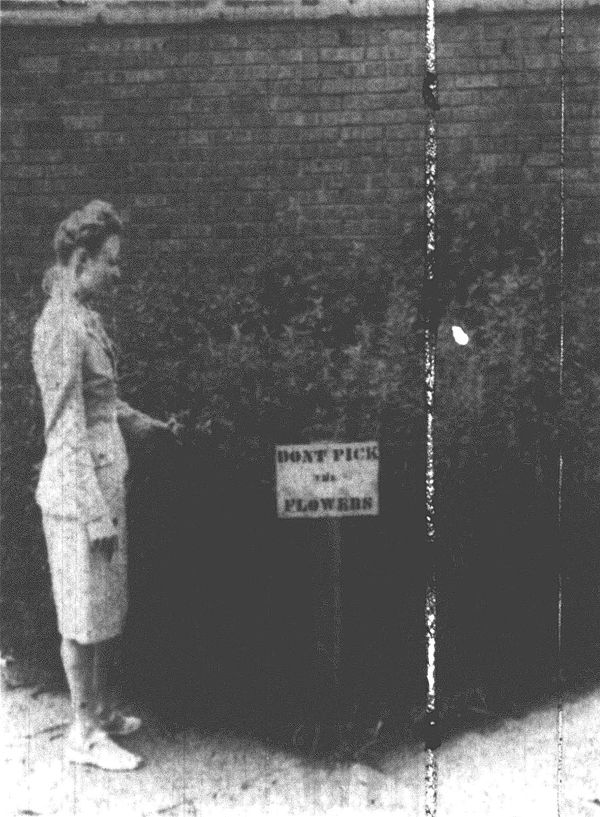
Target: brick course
212, 136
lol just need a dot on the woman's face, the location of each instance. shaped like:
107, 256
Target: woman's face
99, 273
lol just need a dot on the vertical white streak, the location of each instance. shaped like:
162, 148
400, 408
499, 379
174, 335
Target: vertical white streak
430, 348
431, 784
559, 723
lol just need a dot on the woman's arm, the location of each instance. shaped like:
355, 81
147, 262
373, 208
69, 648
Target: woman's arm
135, 423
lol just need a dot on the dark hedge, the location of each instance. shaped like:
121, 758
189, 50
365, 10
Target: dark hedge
297, 348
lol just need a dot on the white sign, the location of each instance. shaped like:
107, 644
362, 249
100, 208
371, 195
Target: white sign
327, 479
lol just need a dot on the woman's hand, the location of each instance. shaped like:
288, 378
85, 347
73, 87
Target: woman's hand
103, 537
176, 428
106, 546
173, 428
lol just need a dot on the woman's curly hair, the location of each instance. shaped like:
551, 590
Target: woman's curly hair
88, 227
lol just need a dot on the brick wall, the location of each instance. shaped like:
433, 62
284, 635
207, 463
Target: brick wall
218, 138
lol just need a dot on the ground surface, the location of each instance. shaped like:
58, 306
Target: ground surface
508, 769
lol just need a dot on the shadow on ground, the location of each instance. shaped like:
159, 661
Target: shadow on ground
220, 634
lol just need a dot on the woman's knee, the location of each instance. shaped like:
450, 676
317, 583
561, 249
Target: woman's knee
75, 655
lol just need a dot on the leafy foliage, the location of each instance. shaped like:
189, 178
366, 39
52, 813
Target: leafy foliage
293, 348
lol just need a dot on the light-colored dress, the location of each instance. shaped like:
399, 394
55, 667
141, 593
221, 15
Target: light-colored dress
82, 479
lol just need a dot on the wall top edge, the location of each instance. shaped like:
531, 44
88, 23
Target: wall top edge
157, 12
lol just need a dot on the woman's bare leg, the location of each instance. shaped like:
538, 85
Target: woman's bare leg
105, 660
107, 665
87, 742
78, 662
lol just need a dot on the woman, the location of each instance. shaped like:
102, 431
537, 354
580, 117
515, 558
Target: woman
81, 490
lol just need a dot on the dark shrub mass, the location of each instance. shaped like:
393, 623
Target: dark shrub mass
298, 347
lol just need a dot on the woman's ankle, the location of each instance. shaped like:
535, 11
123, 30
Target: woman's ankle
82, 726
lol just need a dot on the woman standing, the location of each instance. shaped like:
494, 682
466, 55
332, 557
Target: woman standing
81, 490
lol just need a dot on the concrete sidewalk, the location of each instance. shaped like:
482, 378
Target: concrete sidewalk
508, 770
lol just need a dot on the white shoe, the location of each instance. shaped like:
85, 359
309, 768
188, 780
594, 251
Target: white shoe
100, 751
118, 725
